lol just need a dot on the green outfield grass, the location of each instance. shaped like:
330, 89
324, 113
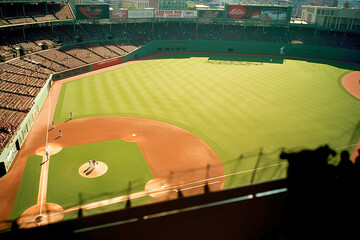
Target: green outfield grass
236, 106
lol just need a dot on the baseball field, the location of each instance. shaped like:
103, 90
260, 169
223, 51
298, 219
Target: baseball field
175, 123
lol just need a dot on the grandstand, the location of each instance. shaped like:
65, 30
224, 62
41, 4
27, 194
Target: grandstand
43, 41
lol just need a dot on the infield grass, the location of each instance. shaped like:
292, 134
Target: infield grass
236, 106
68, 188
125, 162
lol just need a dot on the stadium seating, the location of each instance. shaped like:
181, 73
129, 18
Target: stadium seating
102, 51
83, 54
9, 121
22, 78
15, 102
115, 49
18, 13
61, 11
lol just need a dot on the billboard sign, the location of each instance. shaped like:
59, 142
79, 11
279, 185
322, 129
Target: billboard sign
140, 13
168, 13
243, 12
189, 14
236, 11
107, 63
175, 14
116, 14
210, 14
95, 11
273, 14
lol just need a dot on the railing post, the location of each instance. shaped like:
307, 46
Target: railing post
256, 166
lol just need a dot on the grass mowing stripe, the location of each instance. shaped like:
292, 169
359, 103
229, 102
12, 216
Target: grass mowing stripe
29, 186
235, 108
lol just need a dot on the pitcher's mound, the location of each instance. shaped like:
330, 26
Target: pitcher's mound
99, 170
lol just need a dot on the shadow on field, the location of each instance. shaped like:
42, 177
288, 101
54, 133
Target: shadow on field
243, 59
322, 198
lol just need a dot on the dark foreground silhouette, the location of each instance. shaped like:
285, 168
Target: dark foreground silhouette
323, 199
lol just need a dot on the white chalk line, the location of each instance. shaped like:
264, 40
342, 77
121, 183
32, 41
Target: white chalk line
347, 146
47, 158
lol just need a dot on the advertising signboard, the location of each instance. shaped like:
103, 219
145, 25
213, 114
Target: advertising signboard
175, 14
107, 63
189, 14
238, 12
273, 14
266, 13
168, 13
95, 11
210, 14
116, 14
141, 13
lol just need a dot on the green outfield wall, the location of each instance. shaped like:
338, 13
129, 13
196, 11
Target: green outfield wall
262, 48
236, 47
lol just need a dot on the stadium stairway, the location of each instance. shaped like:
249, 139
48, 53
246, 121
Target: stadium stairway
186, 33
245, 33
145, 32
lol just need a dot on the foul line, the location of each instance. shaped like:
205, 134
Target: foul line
45, 166
47, 125
347, 146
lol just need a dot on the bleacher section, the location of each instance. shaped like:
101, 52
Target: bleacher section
19, 13
16, 42
22, 78
9, 121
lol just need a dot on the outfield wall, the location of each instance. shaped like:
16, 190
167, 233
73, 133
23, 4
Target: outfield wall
228, 47
261, 48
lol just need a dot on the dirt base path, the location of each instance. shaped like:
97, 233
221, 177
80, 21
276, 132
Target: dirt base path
351, 82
